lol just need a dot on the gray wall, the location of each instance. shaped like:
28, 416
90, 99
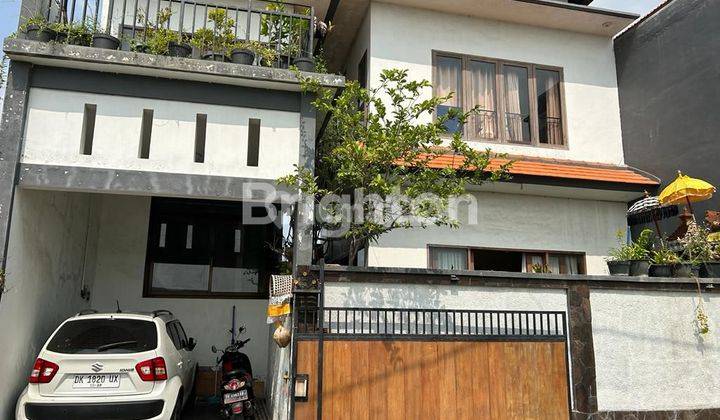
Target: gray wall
669, 78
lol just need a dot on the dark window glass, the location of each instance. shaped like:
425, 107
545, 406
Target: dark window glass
181, 334
517, 104
201, 247
172, 329
449, 82
549, 107
111, 336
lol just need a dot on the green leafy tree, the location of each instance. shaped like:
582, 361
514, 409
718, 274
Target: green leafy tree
387, 148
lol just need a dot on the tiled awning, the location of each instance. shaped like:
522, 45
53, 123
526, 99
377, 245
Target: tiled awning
561, 169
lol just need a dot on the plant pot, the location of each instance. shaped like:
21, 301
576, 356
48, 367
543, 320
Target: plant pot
619, 268
710, 269
639, 268
176, 49
686, 270
35, 33
304, 64
282, 62
213, 56
105, 41
61, 37
660, 270
242, 56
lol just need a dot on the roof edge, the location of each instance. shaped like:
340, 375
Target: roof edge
582, 8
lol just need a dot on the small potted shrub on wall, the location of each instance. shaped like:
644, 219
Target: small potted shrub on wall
37, 28
662, 262
631, 259
215, 44
696, 250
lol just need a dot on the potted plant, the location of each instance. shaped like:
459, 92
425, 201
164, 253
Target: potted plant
161, 40
711, 268
217, 42
662, 262
619, 260
631, 259
696, 249
105, 41
73, 33
243, 52
37, 28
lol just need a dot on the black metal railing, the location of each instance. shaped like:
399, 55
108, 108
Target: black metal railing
551, 130
432, 323
286, 27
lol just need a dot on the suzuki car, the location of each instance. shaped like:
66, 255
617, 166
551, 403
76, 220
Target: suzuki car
111, 366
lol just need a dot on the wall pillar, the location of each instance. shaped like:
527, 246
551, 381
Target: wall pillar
582, 352
11, 134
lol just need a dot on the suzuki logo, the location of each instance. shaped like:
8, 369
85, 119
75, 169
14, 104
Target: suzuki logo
96, 367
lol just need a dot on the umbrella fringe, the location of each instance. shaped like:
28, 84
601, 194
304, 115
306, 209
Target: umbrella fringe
652, 215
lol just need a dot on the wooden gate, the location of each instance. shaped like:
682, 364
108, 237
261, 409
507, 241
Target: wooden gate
444, 364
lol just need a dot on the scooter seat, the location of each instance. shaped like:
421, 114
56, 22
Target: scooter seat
237, 373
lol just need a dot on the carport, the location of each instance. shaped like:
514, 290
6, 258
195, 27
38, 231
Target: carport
70, 251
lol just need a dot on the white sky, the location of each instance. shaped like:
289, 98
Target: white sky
640, 7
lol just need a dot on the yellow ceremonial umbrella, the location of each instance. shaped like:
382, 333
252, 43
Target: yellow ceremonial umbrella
686, 190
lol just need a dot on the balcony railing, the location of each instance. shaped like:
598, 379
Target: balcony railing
288, 29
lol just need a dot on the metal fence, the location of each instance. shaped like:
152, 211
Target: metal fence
432, 323
288, 27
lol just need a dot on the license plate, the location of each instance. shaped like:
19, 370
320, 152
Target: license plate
233, 397
107, 380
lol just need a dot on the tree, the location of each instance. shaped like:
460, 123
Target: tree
388, 150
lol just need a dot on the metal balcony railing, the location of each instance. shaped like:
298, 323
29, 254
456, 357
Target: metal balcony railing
287, 28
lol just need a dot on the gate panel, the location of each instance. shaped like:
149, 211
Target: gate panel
382, 379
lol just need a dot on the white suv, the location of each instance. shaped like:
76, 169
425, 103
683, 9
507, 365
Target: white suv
111, 366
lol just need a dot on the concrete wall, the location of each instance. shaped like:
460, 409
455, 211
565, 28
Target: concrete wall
119, 274
514, 221
54, 127
416, 296
45, 268
667, 70
648, 355
591, 98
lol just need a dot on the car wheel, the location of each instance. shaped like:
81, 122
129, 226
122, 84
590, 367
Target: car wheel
177, 410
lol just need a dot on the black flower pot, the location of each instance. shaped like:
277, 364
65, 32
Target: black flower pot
660, 270
35, 33
639, 268
61, 37
710, 269
304, 63
176, 49
619, 268
105, 41
282, 62
213, 56
686, 270
242, 56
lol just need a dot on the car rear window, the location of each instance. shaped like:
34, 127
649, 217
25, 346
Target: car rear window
104, 336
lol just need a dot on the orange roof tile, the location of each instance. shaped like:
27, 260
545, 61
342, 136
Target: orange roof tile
558, 169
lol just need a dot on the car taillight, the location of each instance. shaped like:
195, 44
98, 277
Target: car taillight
152, 370
42, 372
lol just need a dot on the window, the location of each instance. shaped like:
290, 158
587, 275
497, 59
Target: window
464, 258
200, 248
110, 336
177, 334
516, 102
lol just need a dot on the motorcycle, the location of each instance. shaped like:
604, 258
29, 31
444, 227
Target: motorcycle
237, 397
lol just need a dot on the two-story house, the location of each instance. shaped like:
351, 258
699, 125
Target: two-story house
124, 179
543, 76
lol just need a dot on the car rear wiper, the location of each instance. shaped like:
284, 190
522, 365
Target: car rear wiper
114, 345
